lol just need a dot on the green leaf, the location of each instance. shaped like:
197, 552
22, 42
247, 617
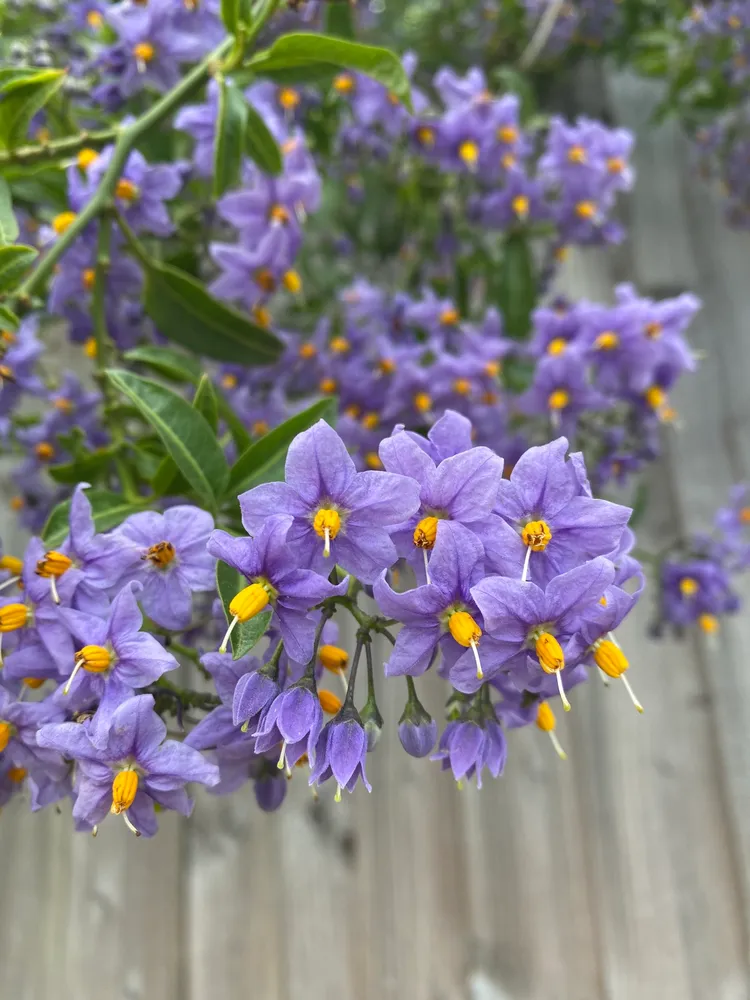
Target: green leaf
339, 19
260, 145
230, 134
15, 261
245, 634
83, 469
8, 223
206, 403
8, 319
21, 98
300, 50
185, 313
171, 364
240, 436
516, 293
108, 509
263, 462
184, 432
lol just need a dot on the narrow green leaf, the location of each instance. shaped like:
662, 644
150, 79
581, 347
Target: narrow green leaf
206, 403
260, 145
185, 313
299, 50
84, 469
230, 137
167, 362
246, 634
108, 509
8, 223
185, 433
21, 99
230, 10
240, 436
8, 318
516, 292
263, 461
339, 19
15, 260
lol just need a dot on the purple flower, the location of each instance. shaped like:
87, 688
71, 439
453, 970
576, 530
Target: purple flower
19, 723
340, 752
133, 770
467, 746
294, 719
167, 553
218, 728
115, 656
338, 512
521, 617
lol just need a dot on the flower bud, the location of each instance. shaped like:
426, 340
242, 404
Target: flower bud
416, 728
270, 792
373, 723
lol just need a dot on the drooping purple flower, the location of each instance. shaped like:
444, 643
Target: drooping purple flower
340, 752
337, 511
133, 770
294, 719
467, 746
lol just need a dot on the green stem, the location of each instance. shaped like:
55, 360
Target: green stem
57, 149
127, 139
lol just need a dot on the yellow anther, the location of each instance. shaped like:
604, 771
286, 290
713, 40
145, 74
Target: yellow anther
490, 398
558, 399
603, 601
688, 586
8, 337
462, 386
259, 428
610, 658
91, 348
86, 157
549, 652
507, 133
607, 341
307, 351
16, 774
327, 524
386, 366
468, 151
562, 254
329, 702
734, 21
265, 280
508, 160
44, 451
12, 564
353, 411
372, 461
63, 221
422, 402
288, 98
426, 136
425, 533
708, 624
449, 316
53, 564
344, 83
745, 515
6, 374
229, 381
33, 682
536, 535
6, 733
653, 330
94, 19
95, 659
370, 421
124, 790
616, 164
126, 190
88, 277
328, 386
339, 345
17, 503
493, 369
655, 397
292, 282
249, 602
161, 554
545, 719
586, 209
279, 214
520, 205
261, 316
144, 52
557, 346
62, 404
577, 154
467, 633
333, 658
